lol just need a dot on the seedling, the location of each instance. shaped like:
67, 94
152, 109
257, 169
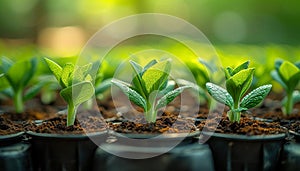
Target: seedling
202, 74
150, 87
76, 85
18, 75
101, 84
287, 75
238, 81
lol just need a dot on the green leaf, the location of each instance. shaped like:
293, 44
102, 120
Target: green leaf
238, 84
137, 81
287, 70
278, 63
132, 95
30, 72
149, 65
296, 97
169, 87
80, 73
275, 75
5, 64
66, 75
8, 92
241, 67
228, 72
54, 68
297, 64
220, 94
194, 87
255, 97
34, 90
78, 93
138, 69
156, 76
18, 74
170, 96
293, 82
104, 85
3, 82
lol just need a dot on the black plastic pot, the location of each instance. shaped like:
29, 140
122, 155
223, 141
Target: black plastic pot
16, 157
11, 139
295, 135
64, 152
189, 157
245, 153
290, 158
153, 140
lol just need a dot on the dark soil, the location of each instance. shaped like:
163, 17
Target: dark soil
167, 123
8, 127
271, 109
247, 126
34, 110
108, 109
29, 115
295, 127
83, 124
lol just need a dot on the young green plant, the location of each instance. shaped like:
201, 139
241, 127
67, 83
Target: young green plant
76, 85
150, 87
17, 77
202, 72
238, 81
287, 75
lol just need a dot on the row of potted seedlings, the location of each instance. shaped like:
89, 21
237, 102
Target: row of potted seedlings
240, 138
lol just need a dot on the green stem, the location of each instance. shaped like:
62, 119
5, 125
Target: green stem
151, 116
18, 101
234, 114
289, 104
151, 113
71, 115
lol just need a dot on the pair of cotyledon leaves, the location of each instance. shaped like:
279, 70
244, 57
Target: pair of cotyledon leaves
151, 80
17, 76
75, 82
238, 81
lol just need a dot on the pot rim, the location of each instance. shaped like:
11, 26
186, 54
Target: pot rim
157, 136
246, 137
11, 136
66, 136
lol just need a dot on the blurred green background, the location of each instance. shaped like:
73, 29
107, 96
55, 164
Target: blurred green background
233, 21
256, 30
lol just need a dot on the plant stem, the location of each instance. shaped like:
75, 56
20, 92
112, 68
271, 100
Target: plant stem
289, 104
234, 115
18, 101
71, 115
151, 113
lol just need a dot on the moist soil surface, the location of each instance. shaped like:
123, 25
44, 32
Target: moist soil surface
246, 126
8, 127
166, 123
29, 115
271, 110
58, 125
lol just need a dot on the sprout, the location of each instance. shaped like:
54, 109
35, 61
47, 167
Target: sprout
238, 81
150, 88
287, 75
76, 85
18, 75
